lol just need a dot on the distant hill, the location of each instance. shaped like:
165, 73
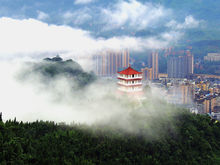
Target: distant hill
51, 68
201, 48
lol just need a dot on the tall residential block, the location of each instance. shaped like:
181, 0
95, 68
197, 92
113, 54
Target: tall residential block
181, 94
147, 73
212, 57
107, 63
209, 105
153, 63
180, 66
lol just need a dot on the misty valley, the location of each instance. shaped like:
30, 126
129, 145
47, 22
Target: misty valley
100, 82
90, 127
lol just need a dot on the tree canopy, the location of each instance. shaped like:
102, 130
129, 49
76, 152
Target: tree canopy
196, 141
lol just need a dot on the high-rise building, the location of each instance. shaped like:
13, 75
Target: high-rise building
180, 66
186, 94
181, 94
212, 57
108, 63
147, 73
209, 105
153, 63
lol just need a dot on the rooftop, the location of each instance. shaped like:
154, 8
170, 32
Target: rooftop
129, 71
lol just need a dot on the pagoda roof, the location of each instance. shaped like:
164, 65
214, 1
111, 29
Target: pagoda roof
129, 71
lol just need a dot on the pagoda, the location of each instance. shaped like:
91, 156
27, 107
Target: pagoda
130, 82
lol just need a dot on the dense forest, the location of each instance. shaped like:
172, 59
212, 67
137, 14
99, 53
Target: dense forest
195, 141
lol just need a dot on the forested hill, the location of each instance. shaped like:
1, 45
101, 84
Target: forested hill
43, 143
51, 68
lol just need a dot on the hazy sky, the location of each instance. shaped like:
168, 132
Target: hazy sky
32, 28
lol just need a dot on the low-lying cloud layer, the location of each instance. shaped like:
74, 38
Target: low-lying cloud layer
99, 103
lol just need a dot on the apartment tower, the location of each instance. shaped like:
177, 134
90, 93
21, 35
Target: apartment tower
107, 63
153, 63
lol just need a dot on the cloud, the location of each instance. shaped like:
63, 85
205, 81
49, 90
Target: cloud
30, 37
42, 15
98, 104
171, 36
190, 22
133, 13
78, 17
83, 1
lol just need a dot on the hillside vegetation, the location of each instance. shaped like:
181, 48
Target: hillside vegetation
196, 141
51, 69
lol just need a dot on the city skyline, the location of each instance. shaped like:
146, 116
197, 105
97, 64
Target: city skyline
116, 82
108, 63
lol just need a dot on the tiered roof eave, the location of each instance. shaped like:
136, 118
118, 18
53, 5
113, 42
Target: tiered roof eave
129, 71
